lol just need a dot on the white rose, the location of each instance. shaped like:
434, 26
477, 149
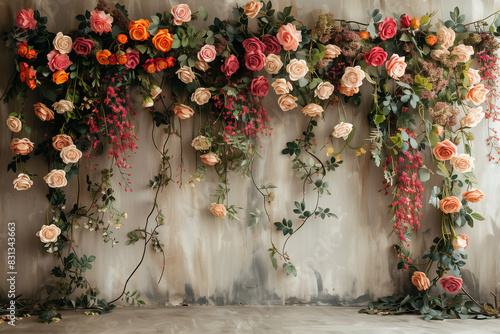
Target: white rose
342, 130
201, 96
62, 43
155, 91
439, 54
473, 117
201, 143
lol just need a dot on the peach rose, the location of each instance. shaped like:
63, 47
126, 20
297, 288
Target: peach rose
450, 204
444, 150
348, 91
218, 210
463, 52
342, 130
21, 146
70, 154
62, 106
324, 90
477, 94
312, 109
353, 76
181, 13
420, 280
183, 111
289, 37
462, 163
56, 178
473, 117
287, 102
273, 64
62, 43
185, 74
201, 143
252, 8
48, 233
460, 241
201, 96
437, 129
395, 66
207, 53
43, 112
202, 65
210, 159
473, 195
474, 76
14, 124
61, 141
281, 86
332, 51
446, 37
297, 69
439, 54
22, 182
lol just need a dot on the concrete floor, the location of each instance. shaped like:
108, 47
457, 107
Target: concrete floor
247, 319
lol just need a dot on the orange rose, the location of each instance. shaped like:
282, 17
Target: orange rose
473, 195
60, 77
21, 146
364, 34
252, 8
431, 40
122, 59
61, 141
102, 57
43, 112
138, 30
415, 23
444, 150
450, 204
163, 40
420, 280
218, 210
477, 94
122, 38
163, 63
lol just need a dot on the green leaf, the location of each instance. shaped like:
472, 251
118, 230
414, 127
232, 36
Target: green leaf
477, 216
424, 174
424, 19
203, 13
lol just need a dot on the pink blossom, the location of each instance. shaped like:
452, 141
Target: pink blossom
100, 22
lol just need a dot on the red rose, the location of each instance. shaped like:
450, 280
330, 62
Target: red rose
82, 46
388, 28
451, 284
253, 45
376, 57
255, 61
113, 59
231, 65
260, 86
272, 44
405, 21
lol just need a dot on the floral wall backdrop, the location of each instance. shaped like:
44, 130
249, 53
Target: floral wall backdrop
210, 260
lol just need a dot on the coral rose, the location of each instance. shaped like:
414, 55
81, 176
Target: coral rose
342, 130
100, 22
207, 53
14, 124
462, 163
463, 52
185, 74
201, 96
83, 46
388, 28
348, 91
312, 110
21, 146
297, 69
22, 182
444, 150
56, 178
25, 19
281, 86
332, 51
439, 54
420, 280
474, 76
49, 233
255, 61
473, 195
61, 141
477, 94
289, 37
138, 30
287, 102
218, 210
259, 86
446, 37
273, 64
58, 61
473, 117
253, 44
70, 154
272, 44
181, 13
376, 57
163, 40
183, 111
395, 66
252, 8
324, 90
43, 112
450, 204
62, 106
460, 242
353, 76
202, 65
210, 159
201, 143
231, 65
451, 284
62, 43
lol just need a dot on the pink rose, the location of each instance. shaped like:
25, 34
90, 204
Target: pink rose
181, 13
231, 65
82, 46
253, 45
255, 61
260, 86
451, 284
395, 66
289, 37
388, 28
376, 57
48, 233
207, 53
58, 61
25, 19
132, 59
272, 44
100, 22
183, 111
405, 21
